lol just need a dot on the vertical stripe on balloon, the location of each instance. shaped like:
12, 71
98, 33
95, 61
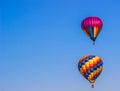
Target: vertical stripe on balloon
87, 33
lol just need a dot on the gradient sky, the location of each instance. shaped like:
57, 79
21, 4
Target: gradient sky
41, 42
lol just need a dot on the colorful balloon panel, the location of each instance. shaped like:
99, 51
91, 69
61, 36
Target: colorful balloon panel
92, 26
90, 67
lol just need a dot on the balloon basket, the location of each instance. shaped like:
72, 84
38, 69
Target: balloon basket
92, 86
93, 42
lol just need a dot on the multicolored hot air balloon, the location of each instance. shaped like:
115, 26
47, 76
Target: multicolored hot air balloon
92, 26
90, 67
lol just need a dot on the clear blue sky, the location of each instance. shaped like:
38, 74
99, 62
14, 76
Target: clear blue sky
41, 42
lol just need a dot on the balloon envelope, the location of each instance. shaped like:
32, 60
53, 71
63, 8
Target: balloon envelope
90, 67
92, 26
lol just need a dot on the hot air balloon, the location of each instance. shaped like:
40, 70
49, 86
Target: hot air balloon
90, 67
92, 26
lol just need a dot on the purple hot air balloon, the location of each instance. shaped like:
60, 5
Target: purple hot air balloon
92, 26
